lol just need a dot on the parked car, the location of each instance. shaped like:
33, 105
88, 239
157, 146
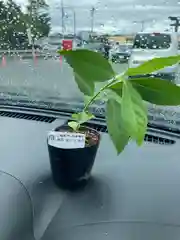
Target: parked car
121, 53
149, 45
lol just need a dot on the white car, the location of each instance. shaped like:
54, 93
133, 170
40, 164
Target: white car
148, 45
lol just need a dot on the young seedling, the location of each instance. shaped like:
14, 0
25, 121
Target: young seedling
126, 110
79, 119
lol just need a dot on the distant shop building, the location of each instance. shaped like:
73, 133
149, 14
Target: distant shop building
87, 35
122, 39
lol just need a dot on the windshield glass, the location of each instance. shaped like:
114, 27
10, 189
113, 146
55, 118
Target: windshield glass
152, 41
123, 47
31, 32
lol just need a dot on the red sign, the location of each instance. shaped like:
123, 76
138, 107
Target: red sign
67, 44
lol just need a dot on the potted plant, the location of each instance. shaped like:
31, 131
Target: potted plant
73, 147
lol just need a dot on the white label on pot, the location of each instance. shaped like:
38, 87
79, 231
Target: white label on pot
66, 140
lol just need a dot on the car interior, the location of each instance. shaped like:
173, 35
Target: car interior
131, 196
55, 55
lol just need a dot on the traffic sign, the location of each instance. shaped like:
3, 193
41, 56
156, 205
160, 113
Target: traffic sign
67, 44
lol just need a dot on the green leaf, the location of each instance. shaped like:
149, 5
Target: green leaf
157, 91
153, 90
113, 95
153, 65
82, 117
86, 87
87, 99
89, 64
89, 67
73, 125
117, 87
134, 113
116, 129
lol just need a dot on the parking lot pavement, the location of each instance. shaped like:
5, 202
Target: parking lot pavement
51, 76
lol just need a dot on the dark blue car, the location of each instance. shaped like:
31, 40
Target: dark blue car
121, 53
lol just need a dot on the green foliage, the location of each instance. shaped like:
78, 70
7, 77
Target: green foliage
88, 68
153, 65
11, 24
126, 112
14, 24
115, 125
80, 118
74, 125
134, 113
153, 90
38, 18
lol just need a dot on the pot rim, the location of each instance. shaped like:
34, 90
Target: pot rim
92, 129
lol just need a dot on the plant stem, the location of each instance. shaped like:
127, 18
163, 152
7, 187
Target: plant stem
97, 94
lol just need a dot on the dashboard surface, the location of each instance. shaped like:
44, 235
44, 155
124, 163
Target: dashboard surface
135, 195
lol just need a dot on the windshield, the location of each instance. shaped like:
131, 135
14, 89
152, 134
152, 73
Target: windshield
123, 47
152, 41
31, 32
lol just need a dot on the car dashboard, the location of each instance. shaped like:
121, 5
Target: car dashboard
135, 195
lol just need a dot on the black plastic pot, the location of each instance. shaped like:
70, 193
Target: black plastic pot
71, 168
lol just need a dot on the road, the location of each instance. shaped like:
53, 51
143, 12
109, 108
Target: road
51, 77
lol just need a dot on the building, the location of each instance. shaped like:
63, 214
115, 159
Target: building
122, 38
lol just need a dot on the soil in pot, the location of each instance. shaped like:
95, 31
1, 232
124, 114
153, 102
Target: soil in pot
71, 168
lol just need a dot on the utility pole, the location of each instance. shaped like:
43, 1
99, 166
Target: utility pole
176, 23
142, 22
142, 25
92, 19
62, 17
74, 20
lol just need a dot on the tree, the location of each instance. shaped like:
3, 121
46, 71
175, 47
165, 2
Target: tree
12, 25
16, 24
38, 17
3, 25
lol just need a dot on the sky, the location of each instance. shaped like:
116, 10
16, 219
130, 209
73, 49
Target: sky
113, 15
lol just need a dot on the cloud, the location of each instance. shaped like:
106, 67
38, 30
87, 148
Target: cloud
114, 15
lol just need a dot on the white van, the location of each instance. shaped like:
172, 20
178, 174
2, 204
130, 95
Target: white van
148, 45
